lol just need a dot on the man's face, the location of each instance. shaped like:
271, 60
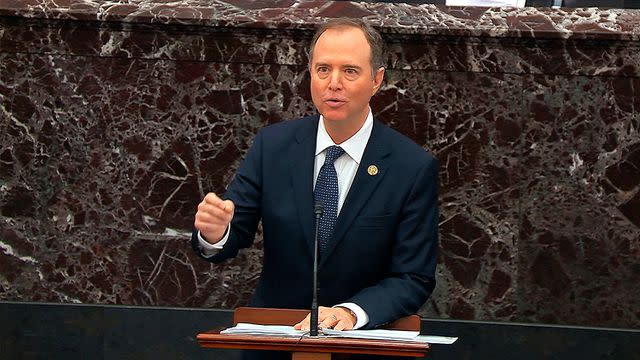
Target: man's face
341, 81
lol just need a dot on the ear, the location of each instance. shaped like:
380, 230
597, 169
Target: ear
377, 80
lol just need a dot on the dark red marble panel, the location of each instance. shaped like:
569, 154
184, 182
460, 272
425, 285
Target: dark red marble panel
112, 131
104, 162
591, 23
142, 41
289, 47
472, 123
579, 249
514, 56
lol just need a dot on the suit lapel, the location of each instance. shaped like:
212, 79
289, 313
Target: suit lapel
303, 155
363, 186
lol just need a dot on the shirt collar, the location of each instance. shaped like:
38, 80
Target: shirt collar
354, 146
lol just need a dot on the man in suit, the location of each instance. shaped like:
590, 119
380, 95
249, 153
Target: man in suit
378, 190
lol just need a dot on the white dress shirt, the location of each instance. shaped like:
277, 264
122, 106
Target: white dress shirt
346, 168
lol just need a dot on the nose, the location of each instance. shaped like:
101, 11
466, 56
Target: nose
335, 81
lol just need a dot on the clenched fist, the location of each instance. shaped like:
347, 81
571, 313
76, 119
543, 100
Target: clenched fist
213, 217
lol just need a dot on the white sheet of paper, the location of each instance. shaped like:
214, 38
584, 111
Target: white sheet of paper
512, 3
432, 339
374, 334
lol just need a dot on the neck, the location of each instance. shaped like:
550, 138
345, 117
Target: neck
340, 131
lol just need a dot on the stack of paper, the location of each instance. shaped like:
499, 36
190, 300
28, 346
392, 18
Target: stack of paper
267, 330
378, 334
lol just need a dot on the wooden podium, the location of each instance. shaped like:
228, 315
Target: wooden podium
310, 348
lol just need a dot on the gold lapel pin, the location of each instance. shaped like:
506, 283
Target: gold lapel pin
372, 170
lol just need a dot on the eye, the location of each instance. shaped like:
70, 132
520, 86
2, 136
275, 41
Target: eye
351, 73
323, 71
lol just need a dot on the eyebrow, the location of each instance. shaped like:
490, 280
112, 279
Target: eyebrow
351, 66
342, 66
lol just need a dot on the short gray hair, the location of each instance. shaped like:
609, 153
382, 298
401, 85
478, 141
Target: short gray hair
372, 35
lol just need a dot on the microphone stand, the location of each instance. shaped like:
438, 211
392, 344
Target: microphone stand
313, 331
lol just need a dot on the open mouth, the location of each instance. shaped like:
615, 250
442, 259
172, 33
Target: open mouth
334, 102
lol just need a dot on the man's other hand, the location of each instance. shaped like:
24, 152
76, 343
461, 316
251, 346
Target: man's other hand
213, 217
337, 318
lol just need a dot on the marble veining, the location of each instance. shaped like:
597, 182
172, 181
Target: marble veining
398, 18
117, 117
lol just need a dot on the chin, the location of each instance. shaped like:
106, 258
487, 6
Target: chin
334, 116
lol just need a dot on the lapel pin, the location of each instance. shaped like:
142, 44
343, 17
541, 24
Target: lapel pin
372, 170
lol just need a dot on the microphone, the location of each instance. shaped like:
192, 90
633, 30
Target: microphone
313, 331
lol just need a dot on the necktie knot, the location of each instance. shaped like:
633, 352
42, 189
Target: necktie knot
332, 153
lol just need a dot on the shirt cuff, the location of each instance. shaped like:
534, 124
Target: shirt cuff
208, 249
361, 316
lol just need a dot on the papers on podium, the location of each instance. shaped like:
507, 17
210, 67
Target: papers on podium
377, 334
266, 330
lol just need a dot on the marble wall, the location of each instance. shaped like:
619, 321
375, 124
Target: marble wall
115, 119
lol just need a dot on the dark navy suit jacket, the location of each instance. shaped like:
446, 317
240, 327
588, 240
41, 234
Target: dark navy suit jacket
384, 249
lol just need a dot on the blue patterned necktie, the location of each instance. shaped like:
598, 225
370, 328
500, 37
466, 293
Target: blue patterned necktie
326, 193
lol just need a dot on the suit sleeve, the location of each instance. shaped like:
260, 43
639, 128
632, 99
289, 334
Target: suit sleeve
411, 276
246, 193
